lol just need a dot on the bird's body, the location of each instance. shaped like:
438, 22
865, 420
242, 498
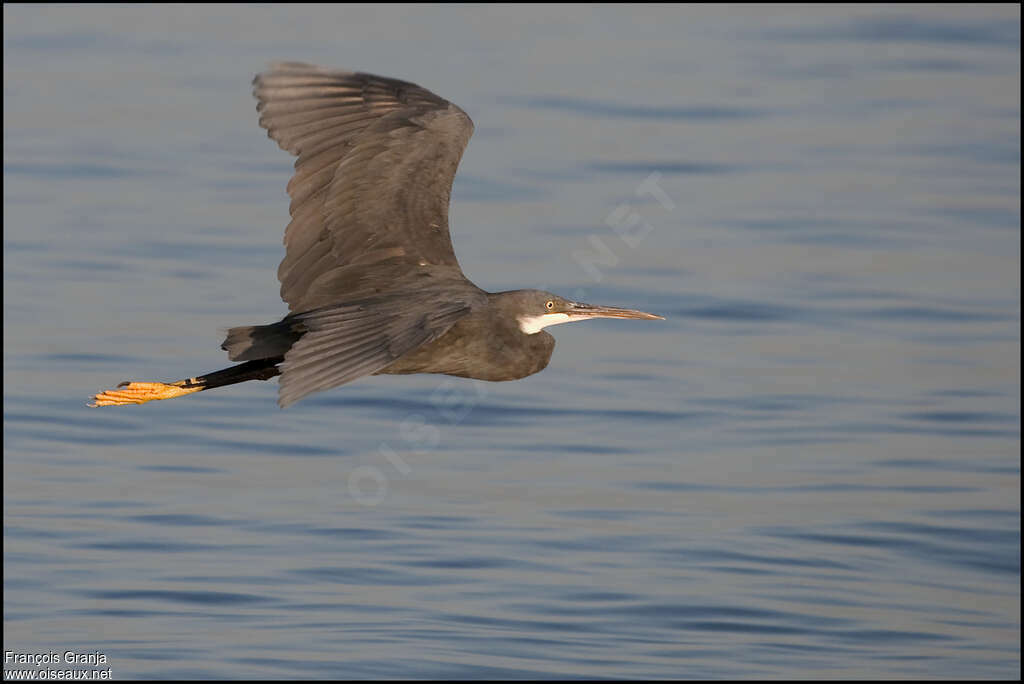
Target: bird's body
370, 275
486, 344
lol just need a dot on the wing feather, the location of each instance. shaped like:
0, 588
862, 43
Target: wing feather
345, 342
376, 161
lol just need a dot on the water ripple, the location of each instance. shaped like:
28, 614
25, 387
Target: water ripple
604, 108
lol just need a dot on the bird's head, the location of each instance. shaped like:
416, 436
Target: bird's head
535, 310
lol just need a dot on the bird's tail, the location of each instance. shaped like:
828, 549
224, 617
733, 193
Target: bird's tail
256, 342
141, 392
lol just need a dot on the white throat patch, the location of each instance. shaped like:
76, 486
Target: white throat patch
531, 325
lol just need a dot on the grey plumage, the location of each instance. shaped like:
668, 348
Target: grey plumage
370, 194
369, 273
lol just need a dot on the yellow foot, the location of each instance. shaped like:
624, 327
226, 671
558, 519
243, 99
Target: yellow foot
139, 393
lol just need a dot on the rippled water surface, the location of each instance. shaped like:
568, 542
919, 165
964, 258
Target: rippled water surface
810, 469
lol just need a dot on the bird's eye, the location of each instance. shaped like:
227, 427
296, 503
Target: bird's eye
550, 304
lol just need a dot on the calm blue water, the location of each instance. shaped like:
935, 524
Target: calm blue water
810, 469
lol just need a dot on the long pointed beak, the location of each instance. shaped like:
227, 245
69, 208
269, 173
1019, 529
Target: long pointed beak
579, 310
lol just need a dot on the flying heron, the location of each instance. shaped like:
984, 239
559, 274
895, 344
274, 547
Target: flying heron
369, 274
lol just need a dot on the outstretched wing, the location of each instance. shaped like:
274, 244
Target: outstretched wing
376, 160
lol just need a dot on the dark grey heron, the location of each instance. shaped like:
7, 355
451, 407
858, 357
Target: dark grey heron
369, 274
